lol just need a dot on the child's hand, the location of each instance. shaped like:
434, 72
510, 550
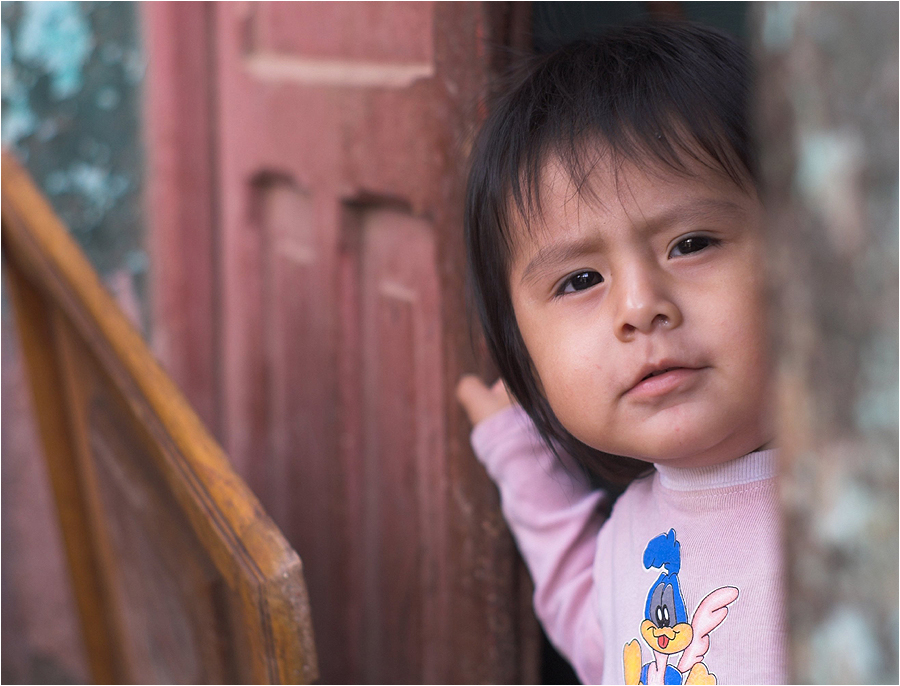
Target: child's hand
479, 401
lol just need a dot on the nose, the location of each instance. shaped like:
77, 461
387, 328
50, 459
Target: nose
644, 303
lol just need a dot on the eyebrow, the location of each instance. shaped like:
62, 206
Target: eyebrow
695, 210
562, 251
558, 253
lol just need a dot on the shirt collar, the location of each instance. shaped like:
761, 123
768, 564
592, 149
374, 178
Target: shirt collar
756, 466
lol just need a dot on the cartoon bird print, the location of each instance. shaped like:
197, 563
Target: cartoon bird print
666, 628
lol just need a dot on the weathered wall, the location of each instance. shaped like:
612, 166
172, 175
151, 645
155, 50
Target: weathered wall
828, 75
71, 87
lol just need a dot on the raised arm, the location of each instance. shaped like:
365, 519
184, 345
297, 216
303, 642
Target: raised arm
555, 518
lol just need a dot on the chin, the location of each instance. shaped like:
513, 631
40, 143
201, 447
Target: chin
708, 450
686, 451
671, 448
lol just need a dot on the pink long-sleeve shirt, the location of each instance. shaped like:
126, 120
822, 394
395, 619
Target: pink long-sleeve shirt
707, 533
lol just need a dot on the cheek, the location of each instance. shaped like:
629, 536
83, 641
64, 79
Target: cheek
556, 347
749, 332
736, 315
572, 379
739, 336
548, 354
570, 367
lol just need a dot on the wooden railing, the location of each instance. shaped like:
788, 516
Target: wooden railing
179, 574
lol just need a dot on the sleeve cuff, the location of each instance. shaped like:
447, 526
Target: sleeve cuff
489, 433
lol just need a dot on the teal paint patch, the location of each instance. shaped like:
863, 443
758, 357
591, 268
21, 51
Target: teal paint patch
111, 53
56, 37
134, 66
878, 405
6, 52
84, 149
18, 120
99, 187
849, 516
845, 642
823, 159
137, 262
778, 25
108, 98
828, 177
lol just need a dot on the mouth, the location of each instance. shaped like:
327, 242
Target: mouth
660, 379
659, 371
663, 641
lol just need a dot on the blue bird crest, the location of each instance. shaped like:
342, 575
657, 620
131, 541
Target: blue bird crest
664, 552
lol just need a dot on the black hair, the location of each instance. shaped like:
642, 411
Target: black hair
664, 93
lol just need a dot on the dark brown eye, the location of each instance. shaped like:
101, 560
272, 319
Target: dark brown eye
581, 281
691, 244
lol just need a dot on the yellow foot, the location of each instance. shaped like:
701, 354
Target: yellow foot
700, 675
632, 659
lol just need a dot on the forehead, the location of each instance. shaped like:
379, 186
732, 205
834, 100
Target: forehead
619, 193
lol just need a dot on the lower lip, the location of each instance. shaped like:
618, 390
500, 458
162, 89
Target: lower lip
664, 383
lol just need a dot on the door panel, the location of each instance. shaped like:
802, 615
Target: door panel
340, 137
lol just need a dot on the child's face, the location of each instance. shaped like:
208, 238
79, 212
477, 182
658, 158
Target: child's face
654, 273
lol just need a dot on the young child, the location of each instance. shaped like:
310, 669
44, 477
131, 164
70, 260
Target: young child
617, 256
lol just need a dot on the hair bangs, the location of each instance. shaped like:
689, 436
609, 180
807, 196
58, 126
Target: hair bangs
631, 98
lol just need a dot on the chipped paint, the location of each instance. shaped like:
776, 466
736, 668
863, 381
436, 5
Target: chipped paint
72, 73
137, 261
845, 646
824, 157
848, 516
108, 98
830, 165
878, 405
828, 123
135, 66
18, 120
55, 36
778, 23
100, 187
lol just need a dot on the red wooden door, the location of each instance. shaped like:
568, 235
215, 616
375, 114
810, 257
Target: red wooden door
336, 136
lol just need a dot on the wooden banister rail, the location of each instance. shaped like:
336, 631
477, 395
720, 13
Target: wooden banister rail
179, 574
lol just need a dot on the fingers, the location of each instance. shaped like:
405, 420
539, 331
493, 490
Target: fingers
499, 387
478, 400
471, 391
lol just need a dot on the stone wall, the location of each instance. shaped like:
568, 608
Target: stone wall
828, 93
